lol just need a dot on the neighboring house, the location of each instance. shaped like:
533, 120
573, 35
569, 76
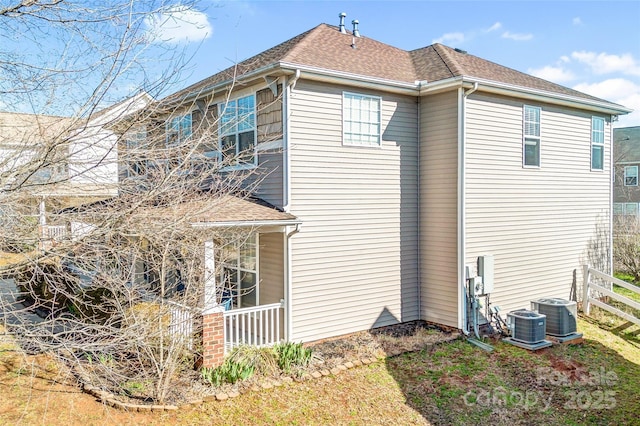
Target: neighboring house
391, 171
626, 191
60, 161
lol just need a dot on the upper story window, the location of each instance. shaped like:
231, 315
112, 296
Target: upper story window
238, 131
531, 132
135, 154
178, 129
631, 176
361, 119
597, 143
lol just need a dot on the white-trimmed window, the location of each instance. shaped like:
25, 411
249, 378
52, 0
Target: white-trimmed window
237, 130
531, 136
360, 119
136, 161
631, 176
618, 208
627, 209
178, 129
240, 272
597, 143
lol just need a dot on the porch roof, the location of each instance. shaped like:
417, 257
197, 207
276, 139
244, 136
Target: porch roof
243, 211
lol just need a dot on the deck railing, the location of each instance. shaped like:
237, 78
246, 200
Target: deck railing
255, 326
589, 286
54, 232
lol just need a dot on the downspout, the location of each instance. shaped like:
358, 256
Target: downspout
462, 279
288, 288
286, 205
611, 177
286, 174
419, 141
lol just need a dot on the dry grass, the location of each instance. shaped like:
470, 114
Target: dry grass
423, 387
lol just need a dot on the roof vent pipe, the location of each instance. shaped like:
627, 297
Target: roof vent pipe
355, 23
342, 16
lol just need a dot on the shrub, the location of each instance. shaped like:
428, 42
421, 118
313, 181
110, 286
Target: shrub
291, 354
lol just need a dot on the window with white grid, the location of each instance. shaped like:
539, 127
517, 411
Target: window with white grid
361, 119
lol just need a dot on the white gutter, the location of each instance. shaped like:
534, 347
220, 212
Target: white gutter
351, 79
462, 240
549, 97
246, 223
286, 167
223, 84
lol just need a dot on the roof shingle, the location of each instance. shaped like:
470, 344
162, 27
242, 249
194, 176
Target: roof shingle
325, 47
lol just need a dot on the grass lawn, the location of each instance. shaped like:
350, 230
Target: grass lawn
451, 383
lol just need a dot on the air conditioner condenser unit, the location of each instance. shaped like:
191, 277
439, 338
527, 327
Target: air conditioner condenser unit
561, 315
526, 326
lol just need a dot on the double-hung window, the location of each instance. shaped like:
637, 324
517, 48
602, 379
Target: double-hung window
238, 131
531, 136
631, 176
135, 154
361, 119
597, 143
178, 129
240, 272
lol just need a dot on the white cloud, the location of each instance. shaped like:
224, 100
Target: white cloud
620, 91
577, 21
517, 36
450, 38
494, 27
604, 63
565, 59
178, 24
551, 73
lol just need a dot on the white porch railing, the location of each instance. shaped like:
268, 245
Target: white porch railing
255, 326
587, 300
54, 232
182, 322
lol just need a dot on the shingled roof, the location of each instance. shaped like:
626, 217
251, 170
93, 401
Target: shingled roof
326, 48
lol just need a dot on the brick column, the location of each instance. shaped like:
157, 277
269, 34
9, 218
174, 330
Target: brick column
212, 337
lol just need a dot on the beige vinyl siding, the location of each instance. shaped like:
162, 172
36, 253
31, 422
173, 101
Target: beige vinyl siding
354, 262
266, 179
271, 268
540, 224
438, 208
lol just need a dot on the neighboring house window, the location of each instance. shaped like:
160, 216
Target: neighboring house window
631, 176
631, 209
361, 119
136, 164
178, 129
238, 131
618, 208
531, 131
240, 272
597, 143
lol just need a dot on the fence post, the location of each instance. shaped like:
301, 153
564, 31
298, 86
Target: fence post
585, 289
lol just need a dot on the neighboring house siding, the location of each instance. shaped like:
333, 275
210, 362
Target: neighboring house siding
540, 224
438, 208
271, 268
626, 193
354, 263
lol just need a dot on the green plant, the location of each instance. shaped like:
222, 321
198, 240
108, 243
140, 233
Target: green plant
291, 354
263, 360
228, 372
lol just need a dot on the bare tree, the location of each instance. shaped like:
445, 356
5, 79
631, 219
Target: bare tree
118, 289
626, 245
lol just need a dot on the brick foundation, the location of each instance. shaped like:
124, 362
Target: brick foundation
212, 339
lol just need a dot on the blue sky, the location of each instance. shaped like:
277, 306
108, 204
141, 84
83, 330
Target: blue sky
591, 46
